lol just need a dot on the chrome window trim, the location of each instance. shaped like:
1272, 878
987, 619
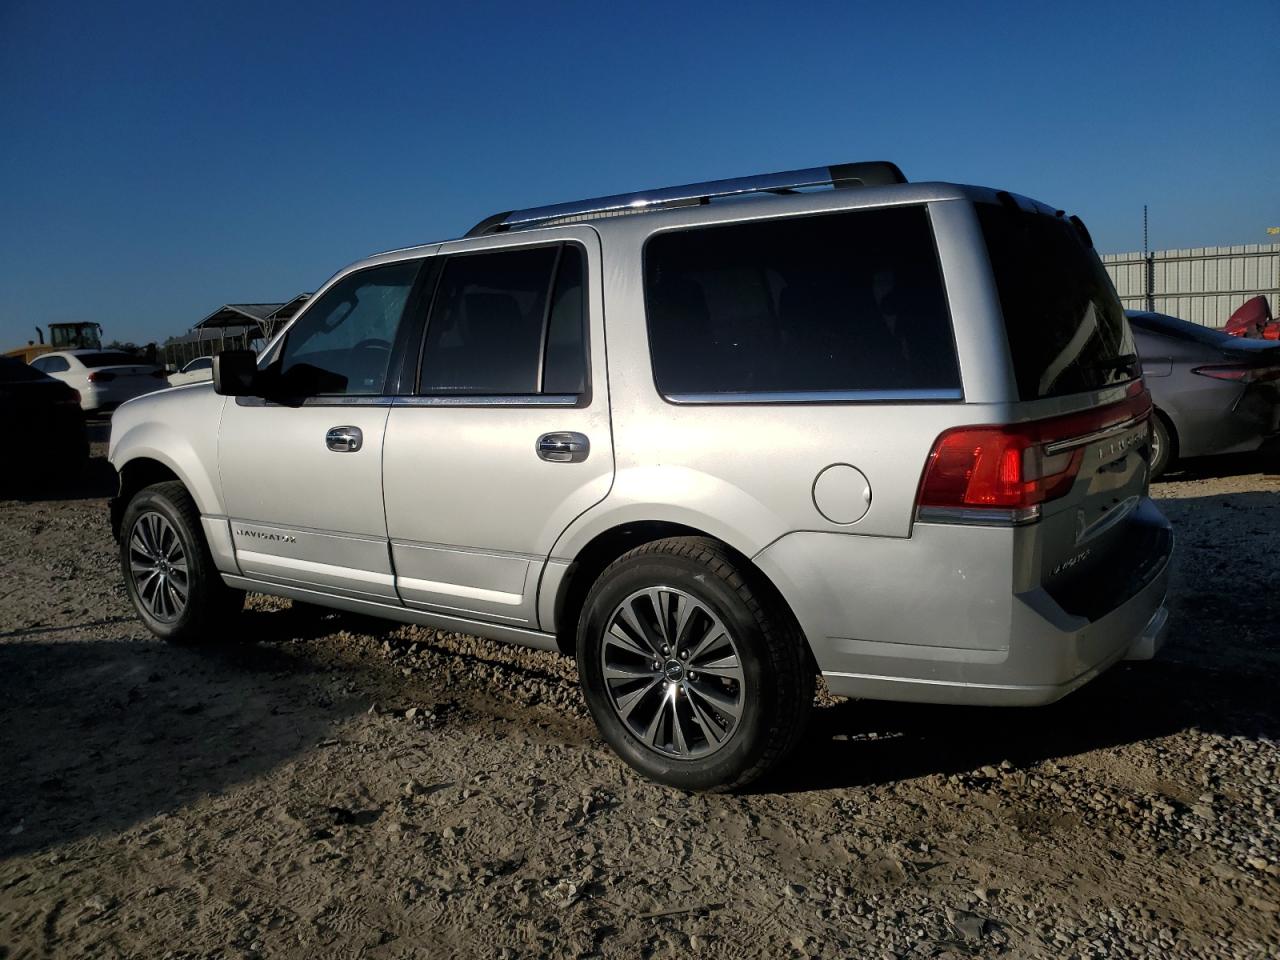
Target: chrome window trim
979, 516
479, 400
818, 396
336, 400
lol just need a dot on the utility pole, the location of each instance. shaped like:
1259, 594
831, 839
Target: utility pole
1149, 265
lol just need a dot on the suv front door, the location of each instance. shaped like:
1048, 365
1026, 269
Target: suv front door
301, 470
507, 438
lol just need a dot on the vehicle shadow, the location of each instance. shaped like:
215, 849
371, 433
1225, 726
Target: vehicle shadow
1218, 672
91, 480
1265, 460
101, 734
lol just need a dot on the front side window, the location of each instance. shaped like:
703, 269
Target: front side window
342, 344
846, 302
507, 323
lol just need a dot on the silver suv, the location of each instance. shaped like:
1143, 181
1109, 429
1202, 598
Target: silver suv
712, 440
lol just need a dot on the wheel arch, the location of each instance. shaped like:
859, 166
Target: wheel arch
137, 474
607, 546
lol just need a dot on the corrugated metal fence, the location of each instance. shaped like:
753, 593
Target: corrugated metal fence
1203, 284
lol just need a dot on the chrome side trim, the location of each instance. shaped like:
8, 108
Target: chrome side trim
1072, 443
493, 631
979, 516
464, 400
819, 396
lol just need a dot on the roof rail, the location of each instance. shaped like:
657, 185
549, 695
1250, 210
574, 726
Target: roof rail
866, 174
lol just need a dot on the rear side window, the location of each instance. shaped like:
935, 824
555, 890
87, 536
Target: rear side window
848, 302
1067, 331
508, 323
51, 364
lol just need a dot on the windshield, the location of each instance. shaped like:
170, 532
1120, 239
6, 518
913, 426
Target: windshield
1067, 331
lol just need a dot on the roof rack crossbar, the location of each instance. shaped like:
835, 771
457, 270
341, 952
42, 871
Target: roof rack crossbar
869, 173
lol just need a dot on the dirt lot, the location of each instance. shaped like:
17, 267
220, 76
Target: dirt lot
328, 786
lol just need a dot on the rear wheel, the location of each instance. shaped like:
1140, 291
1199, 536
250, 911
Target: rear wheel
693, 672
168, 570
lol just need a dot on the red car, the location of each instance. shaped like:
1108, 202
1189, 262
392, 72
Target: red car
1253, 319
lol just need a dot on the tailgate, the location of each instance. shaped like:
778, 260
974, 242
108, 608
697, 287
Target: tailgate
1104, 540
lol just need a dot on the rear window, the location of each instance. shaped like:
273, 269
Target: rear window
107, 359
1067, 331
838, 303
12, 370
1180, 329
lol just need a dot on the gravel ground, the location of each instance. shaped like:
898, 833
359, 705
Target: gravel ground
326, 785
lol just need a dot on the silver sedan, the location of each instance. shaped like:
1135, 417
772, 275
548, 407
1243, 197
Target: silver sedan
1213, 393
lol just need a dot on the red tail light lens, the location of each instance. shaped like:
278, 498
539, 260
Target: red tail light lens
1021, 465
995, 467
101, 376
1238, 372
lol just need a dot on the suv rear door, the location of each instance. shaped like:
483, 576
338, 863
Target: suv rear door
507, 438
1075, 363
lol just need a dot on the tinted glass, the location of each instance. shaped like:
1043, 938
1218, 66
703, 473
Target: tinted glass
564, 368
51, 364
13, 370
1067, 331
342, 345
484, 335
199, 363
107, 359
1180, 329
840, 302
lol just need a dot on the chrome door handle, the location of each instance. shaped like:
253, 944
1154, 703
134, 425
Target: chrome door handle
344, 439
563, 447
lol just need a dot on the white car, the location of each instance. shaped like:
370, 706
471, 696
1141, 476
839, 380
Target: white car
105, 378
201, 368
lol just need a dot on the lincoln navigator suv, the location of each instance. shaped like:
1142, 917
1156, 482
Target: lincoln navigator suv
711, 440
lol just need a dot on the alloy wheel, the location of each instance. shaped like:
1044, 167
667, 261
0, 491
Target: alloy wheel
158, 566
673, 673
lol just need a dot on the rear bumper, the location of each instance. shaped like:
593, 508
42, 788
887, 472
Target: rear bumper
103, 396
939, 617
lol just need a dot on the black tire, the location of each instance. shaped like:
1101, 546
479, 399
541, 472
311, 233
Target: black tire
1163, 446
777, 688
209, 604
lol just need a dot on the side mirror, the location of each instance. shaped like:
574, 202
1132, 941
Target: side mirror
235, 373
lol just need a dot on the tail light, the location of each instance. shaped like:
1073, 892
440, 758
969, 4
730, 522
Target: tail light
1005, 472
71, 399
1238, 372
101, 376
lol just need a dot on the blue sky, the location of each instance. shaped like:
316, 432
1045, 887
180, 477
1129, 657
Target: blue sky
159, 160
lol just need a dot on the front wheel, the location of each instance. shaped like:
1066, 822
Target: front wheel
168, 570
1162, 452
692, 669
